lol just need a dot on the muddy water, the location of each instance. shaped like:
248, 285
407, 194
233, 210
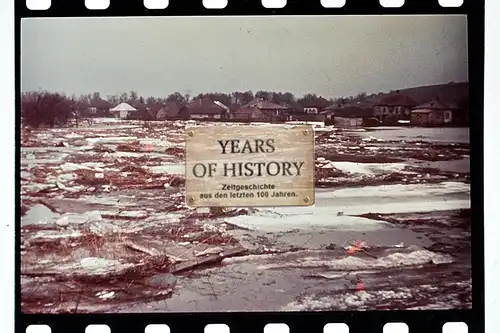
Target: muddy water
403, 266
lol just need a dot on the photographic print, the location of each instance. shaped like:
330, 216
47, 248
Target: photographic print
245, 163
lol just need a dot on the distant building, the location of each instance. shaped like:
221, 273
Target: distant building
170, 110
433, 113
122, 110
261, 110
394, 107
348, 115
99, 107
316, 106
254, 114
205, 109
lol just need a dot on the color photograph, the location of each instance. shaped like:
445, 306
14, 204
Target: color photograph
250, 163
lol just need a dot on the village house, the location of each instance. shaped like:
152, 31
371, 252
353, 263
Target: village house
348, 115
433, 113
260, 110
205, 109
316, 106
99, 107
122, 111
249, 114
151, 110
392, 108
169, 111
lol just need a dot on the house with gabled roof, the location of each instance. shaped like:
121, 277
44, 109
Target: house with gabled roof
250, 114
348, 115
315, 106
122, 110
432, 113
205, 109
394, 107
262, 110
169, 111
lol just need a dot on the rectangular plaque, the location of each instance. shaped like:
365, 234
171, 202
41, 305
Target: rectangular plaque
244, 166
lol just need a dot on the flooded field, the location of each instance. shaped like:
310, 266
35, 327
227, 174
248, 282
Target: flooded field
105, 227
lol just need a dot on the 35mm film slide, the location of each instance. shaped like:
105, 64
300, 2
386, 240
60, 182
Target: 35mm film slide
310, 166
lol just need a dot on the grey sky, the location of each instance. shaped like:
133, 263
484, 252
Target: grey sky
328, 55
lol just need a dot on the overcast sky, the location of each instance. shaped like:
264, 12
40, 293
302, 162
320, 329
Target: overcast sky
327, 55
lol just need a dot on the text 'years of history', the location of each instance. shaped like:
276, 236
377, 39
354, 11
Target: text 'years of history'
250, 166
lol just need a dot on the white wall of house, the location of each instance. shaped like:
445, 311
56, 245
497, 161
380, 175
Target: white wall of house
448, 116
123, 114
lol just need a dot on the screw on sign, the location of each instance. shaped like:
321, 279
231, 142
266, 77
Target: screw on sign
250, 166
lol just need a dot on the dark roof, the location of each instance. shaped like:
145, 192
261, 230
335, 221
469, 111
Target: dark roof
204, 106
396, 99
320, 103
101, 104
137, 104
349, 111
169, 110
246, 110
293, 108
450, 92
262, 104
359, 105
434, 105
233, 107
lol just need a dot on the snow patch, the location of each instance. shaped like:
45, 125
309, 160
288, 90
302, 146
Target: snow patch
368, 168
398, 190
312, 220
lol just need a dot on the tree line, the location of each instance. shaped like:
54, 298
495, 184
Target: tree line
44, 108
238, 98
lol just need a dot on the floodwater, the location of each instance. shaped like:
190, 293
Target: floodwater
447, 134
399, 269
416, 236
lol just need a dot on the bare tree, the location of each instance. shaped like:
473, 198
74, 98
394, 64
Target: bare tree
45, 108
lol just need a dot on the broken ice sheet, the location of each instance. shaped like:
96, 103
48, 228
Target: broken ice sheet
104, 295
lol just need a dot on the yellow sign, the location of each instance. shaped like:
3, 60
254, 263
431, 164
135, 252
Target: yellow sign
249, 166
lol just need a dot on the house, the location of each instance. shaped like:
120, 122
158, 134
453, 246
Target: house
348, 115
250, 114
268, 111
151, 110
99, 107
433, 113
170, 110
348, 122
316, 106
394, 107
205, 109
122, 110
